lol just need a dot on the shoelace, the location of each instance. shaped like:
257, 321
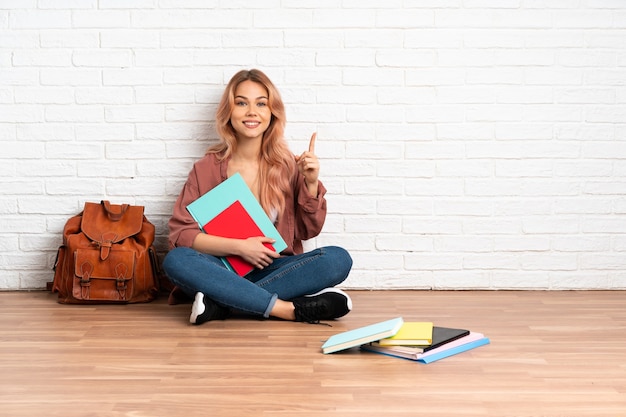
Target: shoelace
316, 308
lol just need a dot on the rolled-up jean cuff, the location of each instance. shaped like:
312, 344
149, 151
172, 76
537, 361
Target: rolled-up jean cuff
270, 306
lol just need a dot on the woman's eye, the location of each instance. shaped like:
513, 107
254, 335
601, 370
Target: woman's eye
240, 103
262, 104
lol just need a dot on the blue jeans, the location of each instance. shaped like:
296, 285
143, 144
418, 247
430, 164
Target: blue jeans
285, 278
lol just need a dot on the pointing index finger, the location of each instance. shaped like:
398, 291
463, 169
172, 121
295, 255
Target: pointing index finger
312, 143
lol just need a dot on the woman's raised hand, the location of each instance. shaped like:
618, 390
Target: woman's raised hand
309, 166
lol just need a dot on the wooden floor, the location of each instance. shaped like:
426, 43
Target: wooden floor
551, 354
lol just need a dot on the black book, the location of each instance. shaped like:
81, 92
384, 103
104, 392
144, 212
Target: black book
443, 335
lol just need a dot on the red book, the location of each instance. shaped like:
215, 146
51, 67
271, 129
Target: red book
235, 222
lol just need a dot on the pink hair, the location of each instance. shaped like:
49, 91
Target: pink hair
276, 162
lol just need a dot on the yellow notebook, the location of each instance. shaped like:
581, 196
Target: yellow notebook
412, 333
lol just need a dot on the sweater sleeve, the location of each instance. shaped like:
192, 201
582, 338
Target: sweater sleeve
183, 228
310, 211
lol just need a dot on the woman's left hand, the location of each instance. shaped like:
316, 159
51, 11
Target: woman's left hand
309, 166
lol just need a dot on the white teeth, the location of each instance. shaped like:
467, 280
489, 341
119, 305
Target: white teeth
251, 124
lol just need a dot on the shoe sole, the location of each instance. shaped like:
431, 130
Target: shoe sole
335, 290
197, 308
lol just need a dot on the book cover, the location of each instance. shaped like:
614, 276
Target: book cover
222, 197
235, 222
441, 336
471, 341
411, 333
362, 335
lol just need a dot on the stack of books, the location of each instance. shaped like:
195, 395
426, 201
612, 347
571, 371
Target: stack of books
418, 341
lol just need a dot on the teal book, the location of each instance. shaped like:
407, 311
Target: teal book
362, 335
231, 210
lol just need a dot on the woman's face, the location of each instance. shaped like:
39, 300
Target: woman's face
251, 114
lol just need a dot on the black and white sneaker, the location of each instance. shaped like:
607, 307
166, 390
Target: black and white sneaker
328, 304
204, 309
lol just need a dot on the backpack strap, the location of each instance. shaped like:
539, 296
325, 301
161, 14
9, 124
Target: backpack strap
105, 243
115, 213
86, 268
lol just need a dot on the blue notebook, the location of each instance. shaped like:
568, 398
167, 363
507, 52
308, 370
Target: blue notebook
362, 335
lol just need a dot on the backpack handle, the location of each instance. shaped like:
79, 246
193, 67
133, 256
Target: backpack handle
112, 213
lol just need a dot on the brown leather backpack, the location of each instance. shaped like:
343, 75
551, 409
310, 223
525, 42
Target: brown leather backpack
107, 257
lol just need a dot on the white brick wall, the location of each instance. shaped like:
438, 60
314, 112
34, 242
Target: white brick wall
465, 144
